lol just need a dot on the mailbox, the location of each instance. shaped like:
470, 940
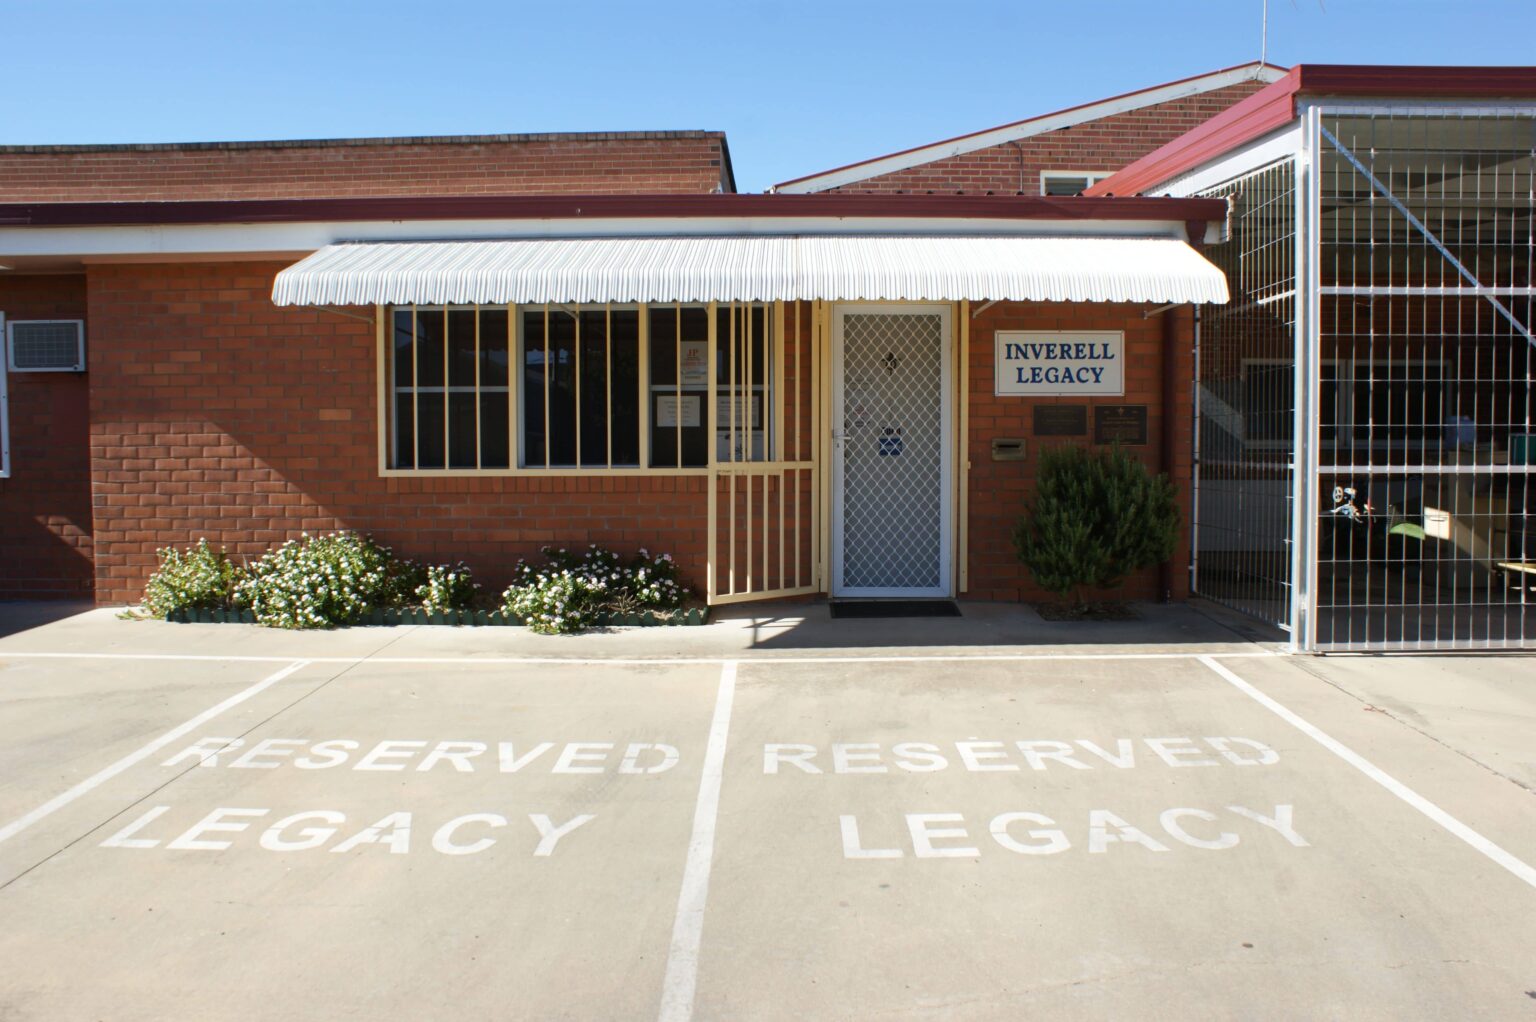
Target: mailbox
1007, 449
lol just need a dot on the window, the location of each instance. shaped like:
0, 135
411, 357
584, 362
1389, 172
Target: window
567, 387
1069, 182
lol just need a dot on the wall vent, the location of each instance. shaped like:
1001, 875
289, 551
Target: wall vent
46, 345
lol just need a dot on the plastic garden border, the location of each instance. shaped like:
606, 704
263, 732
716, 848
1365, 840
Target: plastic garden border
473, 618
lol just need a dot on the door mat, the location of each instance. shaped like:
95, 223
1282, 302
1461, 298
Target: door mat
896, 608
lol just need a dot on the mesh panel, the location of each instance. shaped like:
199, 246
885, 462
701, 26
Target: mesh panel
893, 454
45, 345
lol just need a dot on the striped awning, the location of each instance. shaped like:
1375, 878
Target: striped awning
703, 269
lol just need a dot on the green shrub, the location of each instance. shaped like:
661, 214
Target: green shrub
447, 588
1097, 516
199, 578
323, 581
569, 592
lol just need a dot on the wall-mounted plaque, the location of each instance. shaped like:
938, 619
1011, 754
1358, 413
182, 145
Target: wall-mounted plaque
1122, 424
1061, 420
1041, 362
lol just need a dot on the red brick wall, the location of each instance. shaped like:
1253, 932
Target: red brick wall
45, 506
1108, 143
286, 171
216, 414
999, 489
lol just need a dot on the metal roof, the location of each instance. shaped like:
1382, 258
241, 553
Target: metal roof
701, 269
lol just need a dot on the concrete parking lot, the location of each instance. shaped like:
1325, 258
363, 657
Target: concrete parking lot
774, 818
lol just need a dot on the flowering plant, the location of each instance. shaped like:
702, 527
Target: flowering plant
200, 577
447, 588
570, 591
322, 581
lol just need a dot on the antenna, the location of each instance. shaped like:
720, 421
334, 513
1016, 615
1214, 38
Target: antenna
1264, 34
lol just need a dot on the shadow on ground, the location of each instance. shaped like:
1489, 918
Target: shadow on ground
810, 626
21, 617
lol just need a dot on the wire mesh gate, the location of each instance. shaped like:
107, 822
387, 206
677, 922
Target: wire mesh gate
766, 418
1421, 435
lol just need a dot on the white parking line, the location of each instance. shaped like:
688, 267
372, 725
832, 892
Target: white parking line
643, 661
682, 976
60, 801
1516, 866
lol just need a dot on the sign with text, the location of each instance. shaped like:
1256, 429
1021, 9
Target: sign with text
1047, 362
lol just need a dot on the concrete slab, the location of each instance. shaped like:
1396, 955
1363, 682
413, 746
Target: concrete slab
858, 832
489, 843
910, 884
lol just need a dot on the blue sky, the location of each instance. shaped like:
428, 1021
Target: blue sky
799, 87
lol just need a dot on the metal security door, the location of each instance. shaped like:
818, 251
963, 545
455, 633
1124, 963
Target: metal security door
891, 462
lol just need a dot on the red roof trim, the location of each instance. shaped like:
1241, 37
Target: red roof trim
1020, 123
1275, 106
588, 207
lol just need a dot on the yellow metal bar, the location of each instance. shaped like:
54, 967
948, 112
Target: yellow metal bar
643, 378
477, 386
608, 377
447, 463
712, 569
577, 362
824, 481
415, 396
746, 375
677, 412
964, 455
386, 402
514, 379
546, 385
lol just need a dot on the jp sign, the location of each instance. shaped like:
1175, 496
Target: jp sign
1047, 362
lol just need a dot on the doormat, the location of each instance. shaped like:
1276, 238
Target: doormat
896, 608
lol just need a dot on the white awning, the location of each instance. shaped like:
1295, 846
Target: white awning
702, 269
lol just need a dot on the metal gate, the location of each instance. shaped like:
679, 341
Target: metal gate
891, 460
1416, 405
765, 512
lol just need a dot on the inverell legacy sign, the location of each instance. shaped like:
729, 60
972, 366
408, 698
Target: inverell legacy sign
1048, 362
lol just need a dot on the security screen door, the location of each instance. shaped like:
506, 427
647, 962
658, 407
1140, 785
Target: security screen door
891, 451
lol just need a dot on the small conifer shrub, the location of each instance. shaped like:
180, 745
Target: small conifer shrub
1096, 516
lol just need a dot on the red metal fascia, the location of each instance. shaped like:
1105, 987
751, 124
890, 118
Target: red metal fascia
578, 207
1407, 80
1271, 107
1275, 106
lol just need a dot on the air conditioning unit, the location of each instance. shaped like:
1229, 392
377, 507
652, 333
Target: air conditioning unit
45, 345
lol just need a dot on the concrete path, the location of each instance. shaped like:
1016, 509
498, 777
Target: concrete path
777, 817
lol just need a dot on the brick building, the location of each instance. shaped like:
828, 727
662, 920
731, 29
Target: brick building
471, 347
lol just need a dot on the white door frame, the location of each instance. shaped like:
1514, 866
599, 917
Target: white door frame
946, 587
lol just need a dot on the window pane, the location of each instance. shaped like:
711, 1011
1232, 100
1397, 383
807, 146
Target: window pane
429, 430
429, 349
405, 433
493, 349
402, 368
687, 421
461, 348
493, 431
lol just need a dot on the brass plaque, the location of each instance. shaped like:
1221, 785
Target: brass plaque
1122, 424
1061, 420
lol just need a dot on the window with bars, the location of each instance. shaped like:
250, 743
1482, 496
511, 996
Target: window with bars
565, 387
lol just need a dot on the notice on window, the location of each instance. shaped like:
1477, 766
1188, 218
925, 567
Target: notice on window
1042, 362
695, 363
673, 411
726, 411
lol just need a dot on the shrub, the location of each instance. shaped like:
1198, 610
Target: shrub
1096, 517
570, 591
447, 588
322, 581
199, 578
